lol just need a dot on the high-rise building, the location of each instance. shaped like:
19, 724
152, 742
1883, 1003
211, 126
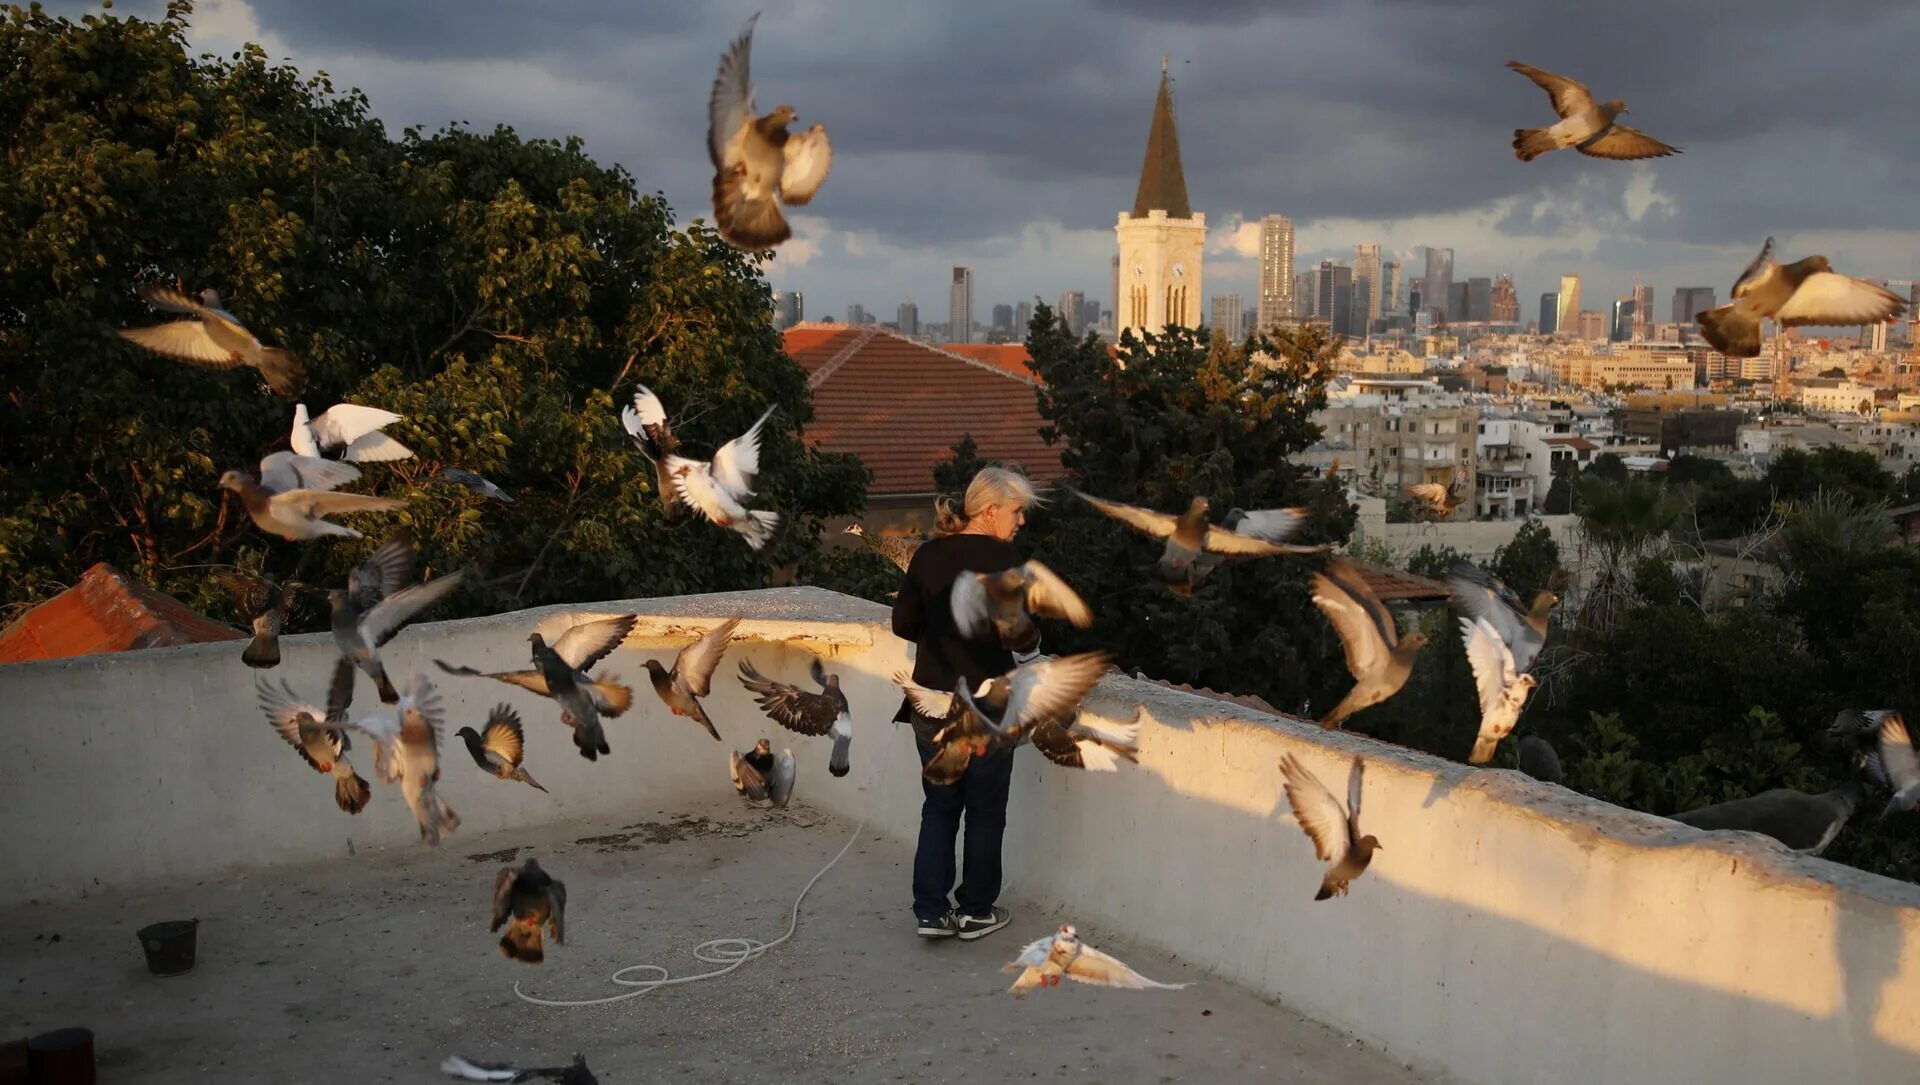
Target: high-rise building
1549, 313
1022, 316
1506, 301
788, 309
1416, 296
1439, 291
1456, 307
1621, 327
857, 314
1002, 319
909, 320
1568, 320
1366, 268
1361, 297
1229, 317
1089, 314
1333, 295
1479, 300
1390, 288
1073, 310
960, 306
1306, 294
1591, 325
1690, 301
1163, 242
1642, 310
1277, 301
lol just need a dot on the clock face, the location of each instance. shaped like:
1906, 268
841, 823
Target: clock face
1179, 271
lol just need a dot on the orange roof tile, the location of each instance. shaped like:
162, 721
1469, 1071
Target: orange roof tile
809, 344
106, 612
901, 406
1012, 357
1399, 586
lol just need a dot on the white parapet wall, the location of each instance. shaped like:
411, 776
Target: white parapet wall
1509, 931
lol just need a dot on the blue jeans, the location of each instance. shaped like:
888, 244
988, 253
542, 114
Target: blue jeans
980, 795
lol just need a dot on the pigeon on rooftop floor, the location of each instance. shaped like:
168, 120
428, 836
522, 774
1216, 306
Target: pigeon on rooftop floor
1335, 831
1592, 129
691, 678
1804, 292
523, 901
757, 163
1062, 955
575, 1073
211, 336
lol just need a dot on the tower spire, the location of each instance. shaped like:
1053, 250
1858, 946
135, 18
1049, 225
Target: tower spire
1163, 185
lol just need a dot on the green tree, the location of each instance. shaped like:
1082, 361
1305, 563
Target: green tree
1607, 467
1559, 499
504, 294
1530, 562
1433, 561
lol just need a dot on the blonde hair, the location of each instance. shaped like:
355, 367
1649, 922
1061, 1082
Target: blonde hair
991, 486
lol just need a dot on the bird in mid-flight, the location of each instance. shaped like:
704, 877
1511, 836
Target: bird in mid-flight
758, 165
1588, 127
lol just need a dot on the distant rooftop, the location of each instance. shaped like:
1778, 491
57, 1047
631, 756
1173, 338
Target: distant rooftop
107, 611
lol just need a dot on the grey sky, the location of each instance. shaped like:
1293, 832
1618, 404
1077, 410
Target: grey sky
1006, 135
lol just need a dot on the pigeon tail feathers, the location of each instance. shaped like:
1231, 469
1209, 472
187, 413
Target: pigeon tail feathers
263, 651
1531, 143
351, 794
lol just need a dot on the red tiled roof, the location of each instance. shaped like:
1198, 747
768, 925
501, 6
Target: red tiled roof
901, 406
1399, 586
105, 612
1011, 357
1578, 444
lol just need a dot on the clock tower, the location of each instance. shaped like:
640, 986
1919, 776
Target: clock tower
1162, 243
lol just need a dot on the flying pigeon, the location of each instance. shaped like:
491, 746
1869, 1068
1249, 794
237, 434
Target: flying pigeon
894, 548
958, 734
578, 649
646, 423
763, 777
1804, 292
407, 751
1041, 696
1538, 758
718, 489
1044, 962
460, 476
1439, 501
1586, 127
351, 427
805, 712
755, 159
579, 708
1377, 655
1188, 536
523, 901
294, 495
1484, 597
1899, 762
1503, 690
1806, 823
1335, 832
213, 337
574, 1074
499, 750
1008, 601
316, 735
373, 607
692, 675
264, 603
1082, 745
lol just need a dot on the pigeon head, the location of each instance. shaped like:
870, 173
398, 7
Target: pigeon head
1415, 640
536, 640
338, 597
782, 115
654, 668
1526, 681
1614, 108
1368, 844
467, 733
1068, 932
233, 480
763, 746
856, 529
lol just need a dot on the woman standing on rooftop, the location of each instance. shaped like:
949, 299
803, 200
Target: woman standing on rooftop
974, 537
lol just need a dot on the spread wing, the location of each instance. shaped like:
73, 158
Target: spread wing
1569, 96
1828, 297
316, 503
739, 460
968, 600
930, 703
1366, 629
589, 642
1273, 525
1094, 967
808, 157
1754, 270
1157, 524
1051, 689
503, 895
340, 690
747, 778
283, 471
532, 681
697, 487
1317, 811
1033, 956
789, 706
1355, 778
184, 340
1221, 541
1897, 755
384, 572
1484, 597
1624, 143
1490, 658
287, 713
345, 423
730, 106
1049, 595
696, 661
1430, 492
502, 735
396, 610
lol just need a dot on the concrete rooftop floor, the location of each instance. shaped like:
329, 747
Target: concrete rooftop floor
376, 966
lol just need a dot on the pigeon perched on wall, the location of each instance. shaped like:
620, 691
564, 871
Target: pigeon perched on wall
350, 427
578, 649
1335, 831
805, 712
1806, 823
895, 548
524, 900
1502, 689
1482, 596
719, 489
317, 735
646, 423
1062, 955
211, 336
1587, 127
757, 163
499, 748
574, 1074
374, 607
264, 603
1256, 534
1805, 292
1008, 601
294, 495
691, 678
460, 476
1379, 658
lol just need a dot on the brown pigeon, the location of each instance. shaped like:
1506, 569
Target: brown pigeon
757, 164
1586, 127
1804, 292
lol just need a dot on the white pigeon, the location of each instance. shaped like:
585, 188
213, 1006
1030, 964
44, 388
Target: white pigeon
1805, 292
211, 336
1062, 955
407, 751
294, 494
757, 163
719, 489
349, 426
1503, 692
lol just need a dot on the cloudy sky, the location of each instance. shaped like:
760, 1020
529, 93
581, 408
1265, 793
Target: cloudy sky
1006, 134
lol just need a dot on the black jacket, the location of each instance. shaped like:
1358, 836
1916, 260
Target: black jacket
923, 612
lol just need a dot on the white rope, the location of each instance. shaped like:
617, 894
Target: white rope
732, 952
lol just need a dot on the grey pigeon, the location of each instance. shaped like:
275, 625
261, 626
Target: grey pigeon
762, 776
470, 480
317, 736
757, 163
578, 649
1591, 129
578, 708
1379, 658
1007, 602
525, 900
354, 429
691, 678
823, 713
1335, 831
1538, 758
500, 747
646, 424
1806, 823
264, 603
1482, 596
294, 495
1805, 292
211, 336
575, 1073
1189, 537
374, 607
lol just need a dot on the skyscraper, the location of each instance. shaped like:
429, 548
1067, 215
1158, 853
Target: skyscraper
1390, 290
1642, 309
1439, 281
1306, 294
1456, 307
1621, 328
1690, 301
1361, 297
1073, 310
1333, 295
1227, 317
1003, 319
1506, 301
788, 309
909, 320
1591, 324
1479, 300
960, 306
1416, 296
1567, 320
857, 314
1163, 242
1549, 313
1366, 267
1089, 314
1278, 300
1022, 316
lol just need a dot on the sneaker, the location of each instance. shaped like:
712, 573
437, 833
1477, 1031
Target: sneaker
945, 927
970, 927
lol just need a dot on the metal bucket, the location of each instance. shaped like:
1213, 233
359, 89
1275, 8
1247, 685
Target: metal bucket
62, 1057
169, 946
